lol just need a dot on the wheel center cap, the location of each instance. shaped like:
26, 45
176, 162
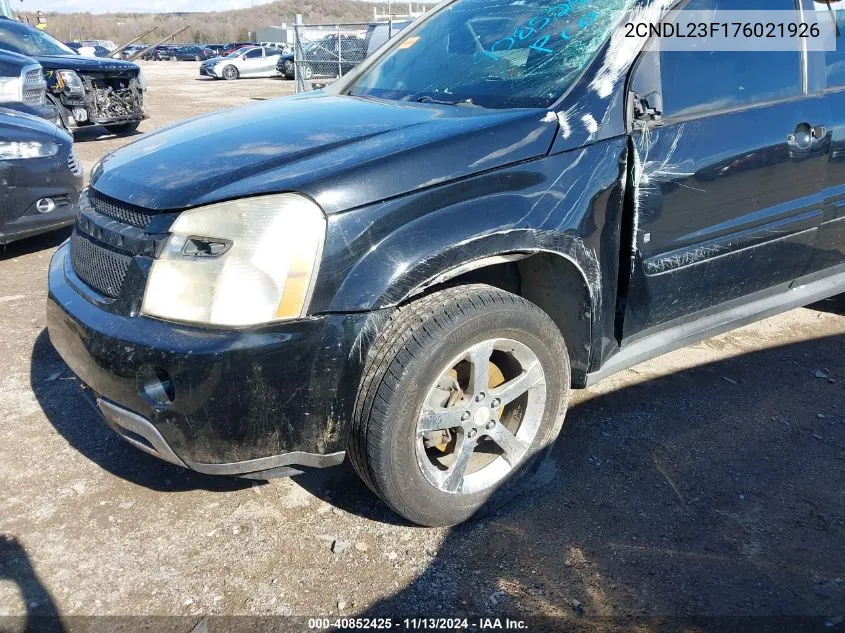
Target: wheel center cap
482, 416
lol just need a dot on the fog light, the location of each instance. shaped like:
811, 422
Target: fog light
80, 114
45, 205
157, 386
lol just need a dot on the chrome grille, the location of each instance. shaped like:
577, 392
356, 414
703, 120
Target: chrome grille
100, 268
120, 211
34, 87
73, 163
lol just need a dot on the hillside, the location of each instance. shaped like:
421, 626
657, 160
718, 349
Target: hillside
222, 26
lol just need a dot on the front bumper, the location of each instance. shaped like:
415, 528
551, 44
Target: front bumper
218, 402
27, 181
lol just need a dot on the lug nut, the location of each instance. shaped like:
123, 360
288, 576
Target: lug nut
491, 425
495, 404
479, 397
465, 416
471, 433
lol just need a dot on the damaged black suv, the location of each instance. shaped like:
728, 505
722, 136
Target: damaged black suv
413, 267
84, 90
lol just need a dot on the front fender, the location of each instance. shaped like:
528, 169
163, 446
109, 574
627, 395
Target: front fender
569, 204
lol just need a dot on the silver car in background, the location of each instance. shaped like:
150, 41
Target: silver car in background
258, 61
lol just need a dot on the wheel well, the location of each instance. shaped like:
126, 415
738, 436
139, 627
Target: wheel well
553, 283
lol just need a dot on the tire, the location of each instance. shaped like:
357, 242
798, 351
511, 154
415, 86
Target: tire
404, 374
197, 58
230, 73
123, 128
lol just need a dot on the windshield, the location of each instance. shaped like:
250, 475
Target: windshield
23, 39
494, 53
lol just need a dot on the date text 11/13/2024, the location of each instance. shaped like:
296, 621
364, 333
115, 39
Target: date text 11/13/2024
418, 624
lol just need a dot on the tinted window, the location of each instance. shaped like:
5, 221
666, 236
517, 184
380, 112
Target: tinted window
835, 60
697, 82
256, 52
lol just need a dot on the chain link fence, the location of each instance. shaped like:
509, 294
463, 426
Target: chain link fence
322, 53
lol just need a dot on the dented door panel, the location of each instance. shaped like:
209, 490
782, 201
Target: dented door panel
724, 206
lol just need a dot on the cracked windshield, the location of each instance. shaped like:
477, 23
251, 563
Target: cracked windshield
494, 54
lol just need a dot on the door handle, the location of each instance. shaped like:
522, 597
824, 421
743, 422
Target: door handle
807, 136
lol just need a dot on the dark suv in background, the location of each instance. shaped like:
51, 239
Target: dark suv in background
412, 268
84, 90
331, 56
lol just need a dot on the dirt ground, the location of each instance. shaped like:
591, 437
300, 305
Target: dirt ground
709, 482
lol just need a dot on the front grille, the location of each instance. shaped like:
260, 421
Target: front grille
120, 211
34, 88
73, 163
100, 268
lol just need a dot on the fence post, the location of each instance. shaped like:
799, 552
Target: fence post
297, 54
339, 53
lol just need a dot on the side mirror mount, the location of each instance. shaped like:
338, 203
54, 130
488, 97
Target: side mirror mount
645, 110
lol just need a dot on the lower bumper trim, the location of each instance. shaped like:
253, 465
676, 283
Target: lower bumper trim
137, 431
141, 433
296, 458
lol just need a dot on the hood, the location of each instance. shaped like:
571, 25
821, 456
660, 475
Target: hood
15, 58
16, 125
342, 151
86, 64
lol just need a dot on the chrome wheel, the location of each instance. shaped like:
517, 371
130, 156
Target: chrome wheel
481, 417
230, 72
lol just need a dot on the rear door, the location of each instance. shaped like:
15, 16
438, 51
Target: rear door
827, 78
727, 187
253, 62
271, 56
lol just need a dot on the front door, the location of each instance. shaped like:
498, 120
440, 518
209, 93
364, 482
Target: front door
727, 185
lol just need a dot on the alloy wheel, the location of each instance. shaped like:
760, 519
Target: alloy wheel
481, 417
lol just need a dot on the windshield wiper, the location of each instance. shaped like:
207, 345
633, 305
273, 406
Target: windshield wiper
427, 99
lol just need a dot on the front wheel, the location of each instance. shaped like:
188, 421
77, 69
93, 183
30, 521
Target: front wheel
460, 394
230, 73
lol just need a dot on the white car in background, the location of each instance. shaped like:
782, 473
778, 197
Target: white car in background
258, 61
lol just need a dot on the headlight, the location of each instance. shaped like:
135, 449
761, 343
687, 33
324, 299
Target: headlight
237, 263
11, 89
71, 82
10, 150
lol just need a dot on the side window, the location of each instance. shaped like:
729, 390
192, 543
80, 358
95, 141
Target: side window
696, 82
253, 54
834, 11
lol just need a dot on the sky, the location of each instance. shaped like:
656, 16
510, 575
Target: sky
151, 6
154, 6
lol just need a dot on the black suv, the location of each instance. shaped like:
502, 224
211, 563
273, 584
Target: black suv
329, 57
414, 269
84, 90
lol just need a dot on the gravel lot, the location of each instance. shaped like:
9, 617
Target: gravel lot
707, 482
